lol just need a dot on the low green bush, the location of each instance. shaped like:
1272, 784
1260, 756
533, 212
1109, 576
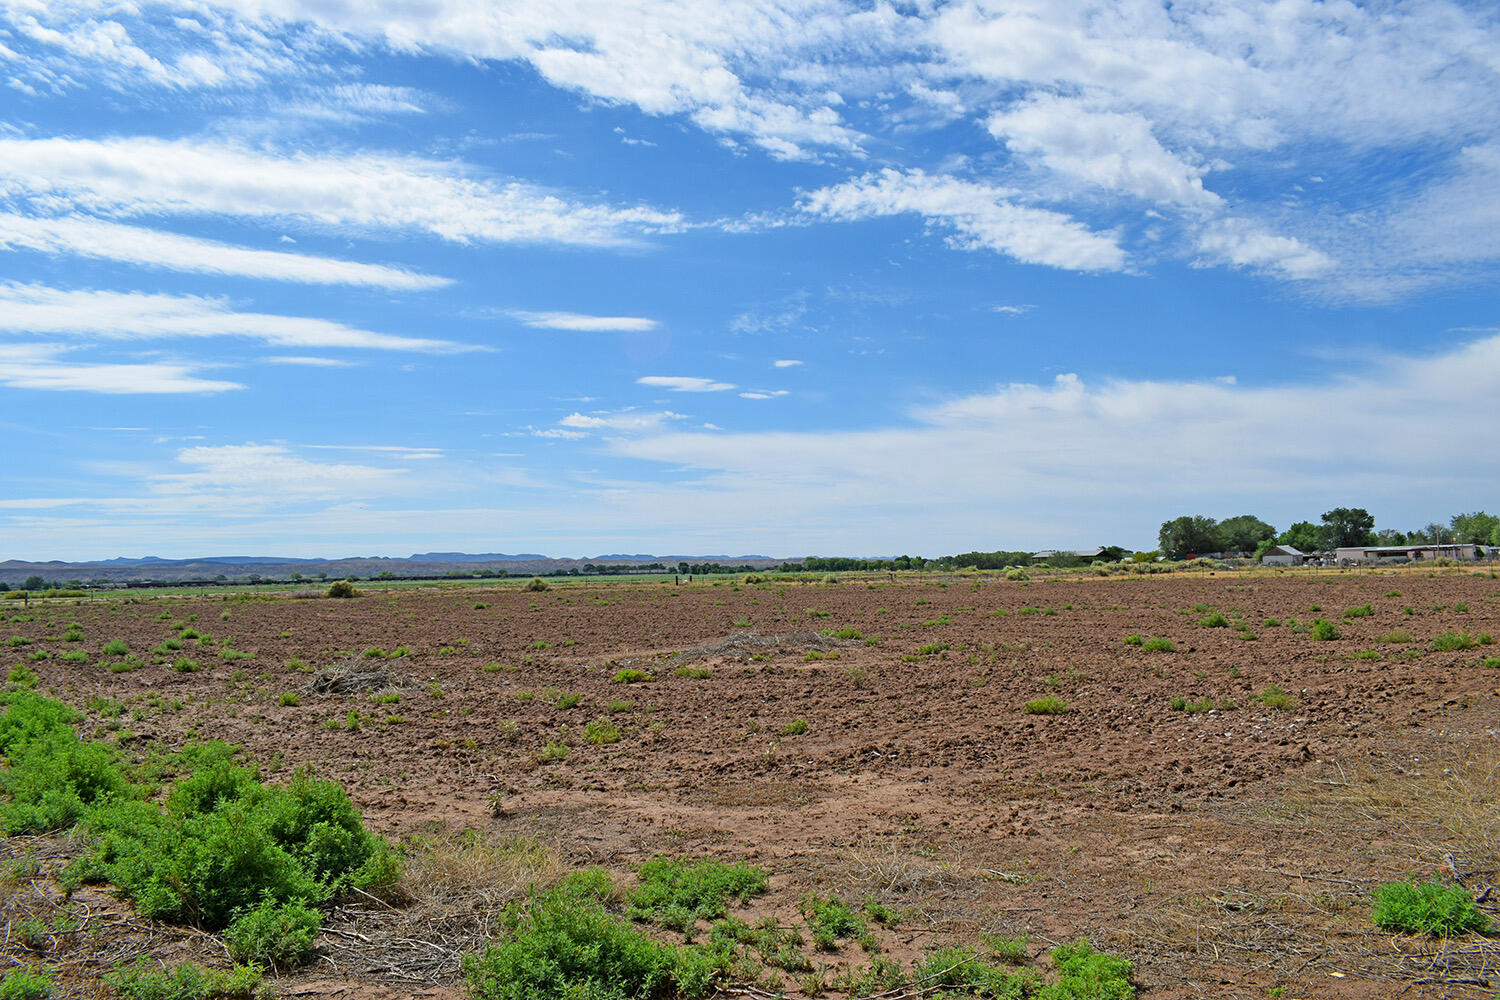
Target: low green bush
677, 894
1324, 630
1088, 975
1429, 907
564, 945
536, 585
25, 984
279, 935
146, 980
1047, 704
1452, 642
1159, 646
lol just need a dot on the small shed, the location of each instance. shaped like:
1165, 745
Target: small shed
1283, 555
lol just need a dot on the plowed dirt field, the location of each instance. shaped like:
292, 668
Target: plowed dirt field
871, 739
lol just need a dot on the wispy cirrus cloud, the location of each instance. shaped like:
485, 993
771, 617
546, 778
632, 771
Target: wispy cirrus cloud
38, 309
981, 216
621, 421
88, 237
47, 367
367, 192
684, 383
584, 323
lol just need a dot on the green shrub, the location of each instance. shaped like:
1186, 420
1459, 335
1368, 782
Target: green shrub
1427, 908
290, 699
630, 676
1159, 646
1324, 630
794, 728
53, 777
25, 984
693, 673
831, 919
1451, 642
553, 751
1215, 620
1395, 636
564, 945
1134, 640
1359, 611
342, 589
1088, 975
276, 934
148, 981
677, 894
536, 585
115, 647
225, 842
1047, 704
601, 731
183, 665
964, 972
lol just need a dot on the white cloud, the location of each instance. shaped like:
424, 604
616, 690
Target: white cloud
86, 237
1163, 448
40, 366
980, 214
684, 383
582, 322
786, 363
270, 470
1109, 150
358, 191
306, 361
137, 315
1241, 244
764, 394
624, 421
1020, 310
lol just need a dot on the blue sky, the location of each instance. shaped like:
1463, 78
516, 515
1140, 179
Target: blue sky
360, 277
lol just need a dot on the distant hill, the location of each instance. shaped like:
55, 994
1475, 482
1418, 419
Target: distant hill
426, 564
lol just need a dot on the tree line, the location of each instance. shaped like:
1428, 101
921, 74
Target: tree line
1340, 527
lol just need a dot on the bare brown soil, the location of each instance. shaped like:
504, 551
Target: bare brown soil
1225, 852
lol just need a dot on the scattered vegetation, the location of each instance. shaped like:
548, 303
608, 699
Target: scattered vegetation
1047, 704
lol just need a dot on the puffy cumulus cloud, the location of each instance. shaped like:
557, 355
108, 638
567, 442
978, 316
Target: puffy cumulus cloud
38, 309
1112, 151
982, 216
584, 323
86, 237
1240, 243
360, 191
684, 383
46, 367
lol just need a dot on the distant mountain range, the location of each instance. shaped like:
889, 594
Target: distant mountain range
122, 568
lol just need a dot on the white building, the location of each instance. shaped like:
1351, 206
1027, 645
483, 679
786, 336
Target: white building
1350, 554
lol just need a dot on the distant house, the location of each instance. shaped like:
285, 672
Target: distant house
1283, 555
1351, 554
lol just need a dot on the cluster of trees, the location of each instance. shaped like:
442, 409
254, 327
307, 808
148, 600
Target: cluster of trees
1342, 526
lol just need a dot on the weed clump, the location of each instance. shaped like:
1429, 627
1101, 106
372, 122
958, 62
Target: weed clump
1159, 646
1430, 908
1047, 704
342, 589
147, 981
564, 944
536, 585
1324, 630
677, 894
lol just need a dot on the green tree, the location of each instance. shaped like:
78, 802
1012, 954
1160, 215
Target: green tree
1345, 526
1244, 533
1476, 527
33, 583
1189, 535
1304, 536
